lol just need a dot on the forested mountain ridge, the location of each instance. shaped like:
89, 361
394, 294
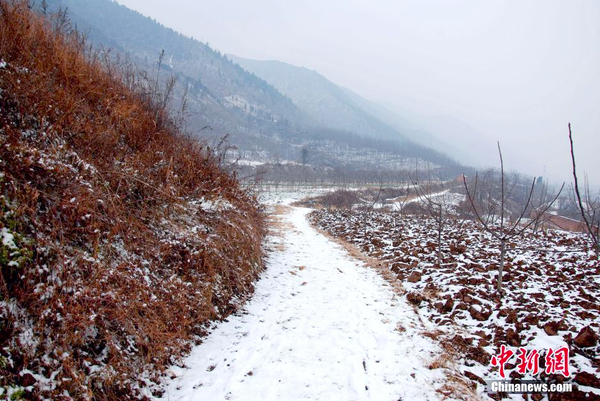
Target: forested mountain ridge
261, 122
340, 108
219, 94
328, 104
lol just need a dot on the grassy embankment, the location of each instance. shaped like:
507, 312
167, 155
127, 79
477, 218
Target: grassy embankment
121, 238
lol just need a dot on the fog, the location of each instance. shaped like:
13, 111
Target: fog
516, 72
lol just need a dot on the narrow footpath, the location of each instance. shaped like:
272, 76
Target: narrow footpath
320, 326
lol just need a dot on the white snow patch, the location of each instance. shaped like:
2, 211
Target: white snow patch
213, 205
8, 239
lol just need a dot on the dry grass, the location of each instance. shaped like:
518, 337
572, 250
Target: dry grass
443, 361
275, 221
458, 387
129, 239
276, 226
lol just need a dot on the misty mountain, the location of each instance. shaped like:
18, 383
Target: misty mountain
339, 108
329, 105
263, 121
460, 139
409, 128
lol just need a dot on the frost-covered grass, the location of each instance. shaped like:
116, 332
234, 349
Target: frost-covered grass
120, 240
551, 283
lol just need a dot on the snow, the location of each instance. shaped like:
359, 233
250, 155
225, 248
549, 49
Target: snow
287, 195
8, 239
320, 325
243, 162
448, 199
213, 205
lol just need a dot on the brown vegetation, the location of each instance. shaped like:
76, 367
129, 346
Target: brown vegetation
365, 198
121, 238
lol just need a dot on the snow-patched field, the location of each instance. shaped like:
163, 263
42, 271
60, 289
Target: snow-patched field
320, 326
552, 288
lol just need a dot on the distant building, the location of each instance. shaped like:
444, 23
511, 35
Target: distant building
554, 221
566, 224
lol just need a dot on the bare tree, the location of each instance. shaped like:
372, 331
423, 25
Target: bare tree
588, 207
378, 195
438, 206
399, 206
504, 230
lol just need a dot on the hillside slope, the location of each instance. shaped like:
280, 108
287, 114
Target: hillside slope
219, 93
121, 239
328, 104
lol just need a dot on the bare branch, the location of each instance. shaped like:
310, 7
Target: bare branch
472, 202
502, 194
540, 214
524, 209
590, 225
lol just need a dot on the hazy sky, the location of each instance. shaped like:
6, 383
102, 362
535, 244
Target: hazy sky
517, 71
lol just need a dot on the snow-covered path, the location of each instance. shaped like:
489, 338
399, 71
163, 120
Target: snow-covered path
320, 326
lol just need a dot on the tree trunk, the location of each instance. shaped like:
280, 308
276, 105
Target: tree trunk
501, 268
439, 244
